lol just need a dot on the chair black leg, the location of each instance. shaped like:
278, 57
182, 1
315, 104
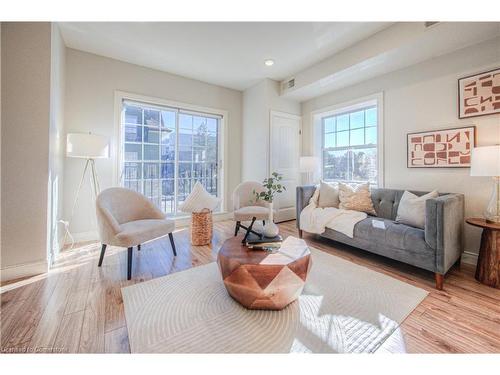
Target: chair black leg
237, 228
249, 229
139, 247
263, 222
129, 263
103, 250
171, 237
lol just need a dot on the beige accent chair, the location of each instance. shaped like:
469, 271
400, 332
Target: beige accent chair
247, 208
126, 218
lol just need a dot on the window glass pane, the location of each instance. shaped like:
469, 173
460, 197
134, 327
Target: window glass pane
151, 152
151, 170
329, 124
152, 117
133, 152
212, 147
371, 117
167, 170
357, 119
342, 122
133, 185
336, 165
185, 121
133, 115
133, 133
152, 191
371, 135
151, 135
167, 187
357, 137
212, 125
132, 171
330, 140
199, 154
185, 170
168, 119
343, 139
364, 165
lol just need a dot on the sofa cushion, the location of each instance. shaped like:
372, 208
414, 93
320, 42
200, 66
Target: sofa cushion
356, 198
395, 235
411, 209
328, 195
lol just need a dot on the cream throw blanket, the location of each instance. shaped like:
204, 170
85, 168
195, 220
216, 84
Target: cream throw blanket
314, 219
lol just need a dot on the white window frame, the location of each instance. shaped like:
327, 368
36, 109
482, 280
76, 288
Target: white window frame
349, 106
222, 183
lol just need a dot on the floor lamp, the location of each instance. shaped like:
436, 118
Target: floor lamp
89, 147
309, 165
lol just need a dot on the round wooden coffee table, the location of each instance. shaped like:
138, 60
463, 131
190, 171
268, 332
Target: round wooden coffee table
262, 280
488, 263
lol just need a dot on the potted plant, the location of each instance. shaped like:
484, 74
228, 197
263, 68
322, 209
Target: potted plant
272, 187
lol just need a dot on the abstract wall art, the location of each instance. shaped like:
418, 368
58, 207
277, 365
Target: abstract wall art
479, 95
448, 148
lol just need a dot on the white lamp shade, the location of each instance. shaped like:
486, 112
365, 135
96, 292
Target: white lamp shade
87, 146
485, 161
308, 164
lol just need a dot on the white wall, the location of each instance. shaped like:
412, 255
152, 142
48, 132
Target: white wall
25, 111
56, 142
91, 81
419, 98
258, 101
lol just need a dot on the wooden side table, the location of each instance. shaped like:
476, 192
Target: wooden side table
488, 263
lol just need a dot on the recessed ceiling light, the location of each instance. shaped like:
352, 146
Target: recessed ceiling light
269, 62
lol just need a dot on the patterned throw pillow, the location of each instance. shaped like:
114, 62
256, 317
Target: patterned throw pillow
199, 199
356, 198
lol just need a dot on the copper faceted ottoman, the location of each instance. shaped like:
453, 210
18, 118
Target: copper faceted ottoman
262, 280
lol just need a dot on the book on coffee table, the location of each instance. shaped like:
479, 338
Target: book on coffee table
253, 239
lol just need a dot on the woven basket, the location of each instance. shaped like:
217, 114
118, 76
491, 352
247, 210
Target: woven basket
201, 228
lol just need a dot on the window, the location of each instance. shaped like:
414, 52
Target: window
165, 151
349, 145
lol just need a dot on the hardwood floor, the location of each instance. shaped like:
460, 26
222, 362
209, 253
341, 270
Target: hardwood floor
78, 307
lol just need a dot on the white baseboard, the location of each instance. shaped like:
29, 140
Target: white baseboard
23, 270
469, 257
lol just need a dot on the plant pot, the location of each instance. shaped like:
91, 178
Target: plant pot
271, 229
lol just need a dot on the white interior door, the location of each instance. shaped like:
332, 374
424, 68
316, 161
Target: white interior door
285, 152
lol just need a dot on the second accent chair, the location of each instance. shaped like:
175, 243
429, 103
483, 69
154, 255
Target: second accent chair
126, 218
247, 208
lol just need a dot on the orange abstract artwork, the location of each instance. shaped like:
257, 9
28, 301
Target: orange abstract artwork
479, 94
450, 148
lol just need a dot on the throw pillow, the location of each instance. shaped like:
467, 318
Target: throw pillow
199, 199
328, 195
411, 209
356, 198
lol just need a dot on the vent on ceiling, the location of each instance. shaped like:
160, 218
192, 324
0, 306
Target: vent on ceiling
429, 24
290, 83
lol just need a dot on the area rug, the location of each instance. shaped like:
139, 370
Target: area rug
344, 308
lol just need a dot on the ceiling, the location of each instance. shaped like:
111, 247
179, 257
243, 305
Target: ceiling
226, 54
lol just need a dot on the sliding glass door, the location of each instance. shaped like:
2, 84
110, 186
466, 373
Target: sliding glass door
165, 151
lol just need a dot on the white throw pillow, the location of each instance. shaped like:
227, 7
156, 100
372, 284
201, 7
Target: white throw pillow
411, 209
328, 195
199, 199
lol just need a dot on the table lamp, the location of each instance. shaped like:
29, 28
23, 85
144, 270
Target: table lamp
485, 161
309, 165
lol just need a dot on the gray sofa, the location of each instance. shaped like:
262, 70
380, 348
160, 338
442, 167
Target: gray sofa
436, 248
